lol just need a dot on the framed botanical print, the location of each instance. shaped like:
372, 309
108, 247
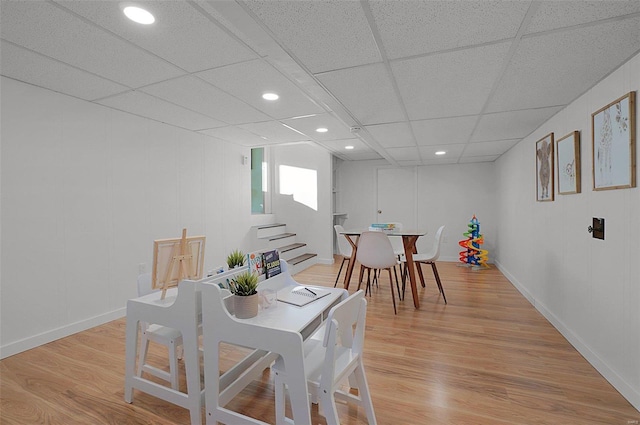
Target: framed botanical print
613, 132
544, 168
568, 163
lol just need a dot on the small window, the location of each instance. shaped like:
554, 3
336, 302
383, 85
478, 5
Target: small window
259, 182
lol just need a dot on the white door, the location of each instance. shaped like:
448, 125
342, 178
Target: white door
397, 196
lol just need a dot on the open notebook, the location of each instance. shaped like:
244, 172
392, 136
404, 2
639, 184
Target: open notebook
301, 295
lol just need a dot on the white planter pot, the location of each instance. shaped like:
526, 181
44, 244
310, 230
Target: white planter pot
245, 307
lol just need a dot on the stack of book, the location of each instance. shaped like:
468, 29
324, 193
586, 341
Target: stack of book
265, 264
382, 227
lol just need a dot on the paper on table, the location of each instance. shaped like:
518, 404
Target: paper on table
301, 295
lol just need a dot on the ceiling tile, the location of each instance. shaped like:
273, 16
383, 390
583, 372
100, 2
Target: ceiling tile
404, 154
392, 135
308, 126
142, 104
557, 14
323, 35
444, 130
235, 135
249, 80
410, 163
511, 125
363, 156
359, 152
563, 63
339, 146
496, 148
412, 28
194, 94
274, 131
474, 159
354, 88
51, 31
181, 34
440, 161
453, 152
33, 68
450, 84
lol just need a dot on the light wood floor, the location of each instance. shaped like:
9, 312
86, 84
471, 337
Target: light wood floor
488, 357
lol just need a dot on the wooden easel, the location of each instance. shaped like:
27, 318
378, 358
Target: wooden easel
182, 259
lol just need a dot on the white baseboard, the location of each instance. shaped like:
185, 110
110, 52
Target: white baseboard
54, 334
327, 261
625, 389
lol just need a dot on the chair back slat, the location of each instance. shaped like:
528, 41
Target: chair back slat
375, 251
340, 333
343, 245
437, 243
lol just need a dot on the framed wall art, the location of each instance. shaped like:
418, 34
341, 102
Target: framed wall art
568, 163
613, 132
544, 168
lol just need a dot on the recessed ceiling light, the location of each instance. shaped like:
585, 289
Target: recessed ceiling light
139, 15
348, 147
270, 96
441, 152
321, 130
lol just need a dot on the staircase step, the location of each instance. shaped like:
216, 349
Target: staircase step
291, 247
279, 236
300, 258
267, 226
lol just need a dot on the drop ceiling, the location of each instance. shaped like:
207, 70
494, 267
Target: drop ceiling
396, 80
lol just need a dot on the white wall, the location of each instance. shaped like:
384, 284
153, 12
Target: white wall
313, 227
588, 288
447, 194
85, 191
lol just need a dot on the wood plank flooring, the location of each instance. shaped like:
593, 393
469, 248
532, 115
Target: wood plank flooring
488, 357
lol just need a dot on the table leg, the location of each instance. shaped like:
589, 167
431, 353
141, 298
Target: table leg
192, 370
298, 391
409, 243
131, 347
352, 262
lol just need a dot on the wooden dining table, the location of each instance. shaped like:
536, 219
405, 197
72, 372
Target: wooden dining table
409, 239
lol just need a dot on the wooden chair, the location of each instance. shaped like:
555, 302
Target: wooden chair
345, 250
430, 258
376, 253
333, 356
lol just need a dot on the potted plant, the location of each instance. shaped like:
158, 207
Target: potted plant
235, 259
244, 287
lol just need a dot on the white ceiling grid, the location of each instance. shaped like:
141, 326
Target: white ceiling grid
394, 79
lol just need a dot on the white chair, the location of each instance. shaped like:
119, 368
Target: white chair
396, 241
430, 258
333, 356
375, 252
345, 250
169, 337
180, 310
398, 247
